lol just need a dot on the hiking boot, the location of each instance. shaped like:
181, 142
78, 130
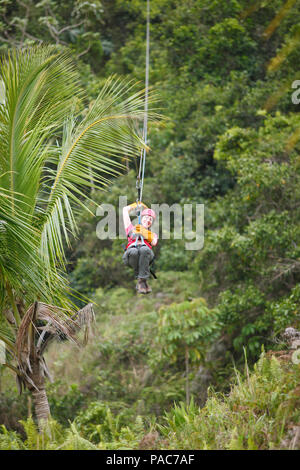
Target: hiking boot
148, 288
141, 286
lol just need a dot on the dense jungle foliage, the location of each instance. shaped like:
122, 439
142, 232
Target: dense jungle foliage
210, 334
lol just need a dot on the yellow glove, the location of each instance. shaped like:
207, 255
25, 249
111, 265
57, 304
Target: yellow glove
134, 205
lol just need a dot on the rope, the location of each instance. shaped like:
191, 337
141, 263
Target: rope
140, 178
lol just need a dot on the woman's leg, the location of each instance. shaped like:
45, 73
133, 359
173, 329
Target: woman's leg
133, 259
145, 257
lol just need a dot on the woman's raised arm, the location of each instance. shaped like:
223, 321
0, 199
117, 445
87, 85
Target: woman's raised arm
126, 212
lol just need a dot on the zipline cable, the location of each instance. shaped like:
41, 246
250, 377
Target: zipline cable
140, 178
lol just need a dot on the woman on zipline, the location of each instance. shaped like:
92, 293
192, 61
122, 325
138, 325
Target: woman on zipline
138, 253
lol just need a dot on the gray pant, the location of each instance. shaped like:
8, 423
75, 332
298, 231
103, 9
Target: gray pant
139, 258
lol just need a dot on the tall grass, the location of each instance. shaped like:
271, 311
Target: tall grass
261, 412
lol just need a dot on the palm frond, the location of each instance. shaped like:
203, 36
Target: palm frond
85, 318
20, 263
40, 88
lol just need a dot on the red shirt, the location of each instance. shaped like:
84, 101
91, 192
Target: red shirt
131, 240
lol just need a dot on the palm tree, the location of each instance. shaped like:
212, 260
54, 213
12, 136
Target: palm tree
53, 151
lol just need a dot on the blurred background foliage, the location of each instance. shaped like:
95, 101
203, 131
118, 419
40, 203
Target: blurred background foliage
223, 72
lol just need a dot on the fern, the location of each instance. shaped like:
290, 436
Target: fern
9, 440
32, 435
76, 442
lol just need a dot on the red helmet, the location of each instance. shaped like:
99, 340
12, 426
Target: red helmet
148, 212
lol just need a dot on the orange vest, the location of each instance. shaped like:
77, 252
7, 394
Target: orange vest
147, 235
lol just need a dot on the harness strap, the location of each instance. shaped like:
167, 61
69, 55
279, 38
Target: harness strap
139, 236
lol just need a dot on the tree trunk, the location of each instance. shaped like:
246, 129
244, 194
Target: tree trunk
187, 370
39, 395
41, 407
